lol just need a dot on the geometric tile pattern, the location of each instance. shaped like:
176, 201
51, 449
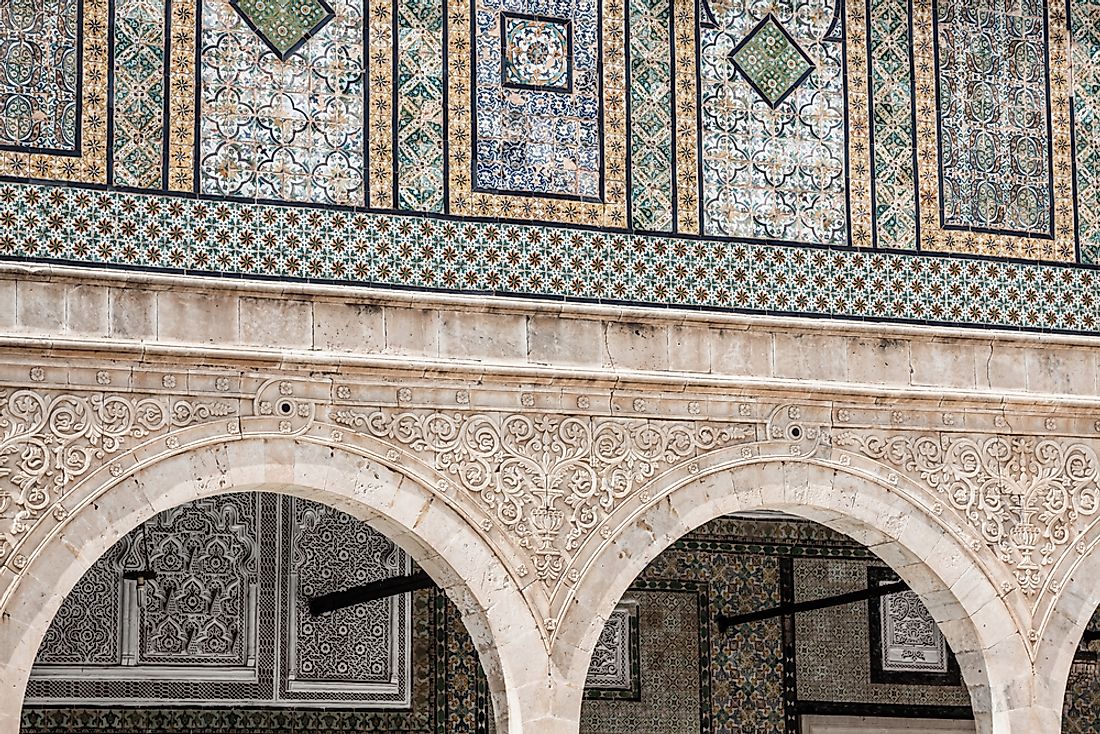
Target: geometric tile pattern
1085, 22
420, 135
398, 97
993, 116
54, 89
538, 107
284, 25
651, 126
536, 52
139, 93
156, 231
358, 653
449, 696
39, 108
771, 61
994, 148
667, 624
613, 667
891, 110
280, 130
774, 168
819, 634
746, 662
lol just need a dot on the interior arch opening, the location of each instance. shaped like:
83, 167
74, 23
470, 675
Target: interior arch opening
682, 653
1081, 703
199, 620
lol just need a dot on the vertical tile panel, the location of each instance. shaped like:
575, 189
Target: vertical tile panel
1085, 22
890, 48
854, 31
139, 93
420, 142
380, 81
651, 115
687, 118
181, 96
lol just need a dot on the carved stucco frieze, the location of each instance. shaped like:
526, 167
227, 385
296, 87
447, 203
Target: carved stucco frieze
1028, 498
550, 487
549, 481
50, 439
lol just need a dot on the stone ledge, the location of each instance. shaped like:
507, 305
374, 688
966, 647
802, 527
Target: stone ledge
207, 319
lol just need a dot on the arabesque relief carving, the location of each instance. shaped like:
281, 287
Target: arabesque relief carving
548, 480
51, 439
1024, 495
549, 487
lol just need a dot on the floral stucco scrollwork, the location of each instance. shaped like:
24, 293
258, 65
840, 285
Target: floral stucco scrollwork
550, 480
1025, 496
49, 440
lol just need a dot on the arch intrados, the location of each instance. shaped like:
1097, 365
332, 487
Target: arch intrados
1068, 618
440, 541
870, 512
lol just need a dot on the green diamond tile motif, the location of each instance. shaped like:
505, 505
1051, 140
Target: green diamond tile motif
284, 25
771, 61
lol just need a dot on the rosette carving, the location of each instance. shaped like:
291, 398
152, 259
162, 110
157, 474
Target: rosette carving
549, 480
1026, 497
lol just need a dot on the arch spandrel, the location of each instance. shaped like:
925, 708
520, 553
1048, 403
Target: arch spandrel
980, 627
549, 481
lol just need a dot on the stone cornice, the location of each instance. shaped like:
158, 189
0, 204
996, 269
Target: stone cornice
502, 304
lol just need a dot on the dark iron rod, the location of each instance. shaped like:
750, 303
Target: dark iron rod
874, 592
325, 603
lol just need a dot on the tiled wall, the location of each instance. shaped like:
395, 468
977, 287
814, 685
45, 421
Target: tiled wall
687, 152
692, 677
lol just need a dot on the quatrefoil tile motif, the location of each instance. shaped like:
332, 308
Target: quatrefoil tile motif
284, 25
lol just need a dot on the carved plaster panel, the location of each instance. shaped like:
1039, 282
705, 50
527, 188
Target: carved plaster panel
549, 475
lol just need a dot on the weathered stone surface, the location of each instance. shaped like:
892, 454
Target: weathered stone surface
535, 463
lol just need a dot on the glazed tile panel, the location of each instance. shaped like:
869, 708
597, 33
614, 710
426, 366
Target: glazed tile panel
1085, 22
138, 149
994, 144
274, 129
54, 89
747, 129
38, 77
651, 106
773, 120
891, 108
420, 113
537, 104
994, 122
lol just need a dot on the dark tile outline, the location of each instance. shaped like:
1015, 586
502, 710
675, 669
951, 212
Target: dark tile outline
837, 27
